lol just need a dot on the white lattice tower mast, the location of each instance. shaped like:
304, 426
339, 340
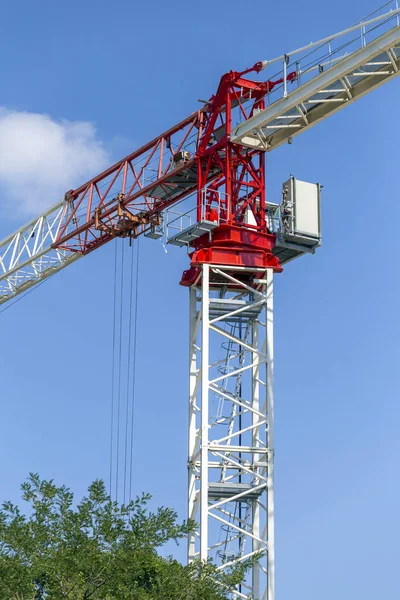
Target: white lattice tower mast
231, 483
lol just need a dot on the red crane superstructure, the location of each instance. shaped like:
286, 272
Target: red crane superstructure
228, 181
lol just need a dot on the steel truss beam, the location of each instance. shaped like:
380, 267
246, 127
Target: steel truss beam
330, 80
27, 257
125, 197
231, 425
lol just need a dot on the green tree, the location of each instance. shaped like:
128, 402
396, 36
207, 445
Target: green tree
97, 550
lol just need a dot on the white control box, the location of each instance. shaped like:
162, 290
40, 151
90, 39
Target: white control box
300, 210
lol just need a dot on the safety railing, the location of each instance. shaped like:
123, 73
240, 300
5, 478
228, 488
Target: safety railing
303, 64
273, 213
178, 221
214, 209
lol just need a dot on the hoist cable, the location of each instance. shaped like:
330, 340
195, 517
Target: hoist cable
19, 298
129, 370
134, 367
119, 370
113, 366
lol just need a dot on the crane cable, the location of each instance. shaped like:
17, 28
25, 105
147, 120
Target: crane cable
131, 369
113, 368
124, 343
19, 297
121, 314
128, 363
134, 369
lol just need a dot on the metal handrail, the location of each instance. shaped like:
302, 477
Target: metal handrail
323, 41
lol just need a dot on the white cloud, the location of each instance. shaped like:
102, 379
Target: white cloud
40, 159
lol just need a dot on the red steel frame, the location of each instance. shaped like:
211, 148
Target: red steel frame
127, 198
123, 186
241, 179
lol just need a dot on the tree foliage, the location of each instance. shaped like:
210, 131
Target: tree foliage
97, 550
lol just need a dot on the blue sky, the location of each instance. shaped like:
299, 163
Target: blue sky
132, 70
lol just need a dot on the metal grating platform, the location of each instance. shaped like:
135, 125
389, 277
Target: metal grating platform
287, 252
191, 233
220, 307
225, 490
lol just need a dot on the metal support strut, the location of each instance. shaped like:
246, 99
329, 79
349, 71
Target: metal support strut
231, 420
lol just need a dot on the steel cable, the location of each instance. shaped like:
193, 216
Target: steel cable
113, 365
134, 367
121, 306
19, 298
128, 432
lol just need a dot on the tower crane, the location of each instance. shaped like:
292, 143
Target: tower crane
201, 185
